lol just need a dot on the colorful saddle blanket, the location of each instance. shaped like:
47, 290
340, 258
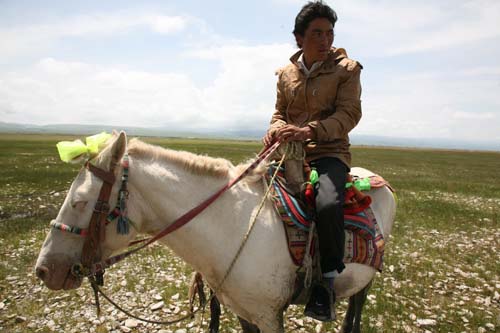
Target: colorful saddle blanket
364, 242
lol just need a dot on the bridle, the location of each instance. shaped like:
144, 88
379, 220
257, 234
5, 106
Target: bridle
92, 265
92, 251
95, 234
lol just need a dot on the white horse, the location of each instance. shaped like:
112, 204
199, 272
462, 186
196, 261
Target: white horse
164, 184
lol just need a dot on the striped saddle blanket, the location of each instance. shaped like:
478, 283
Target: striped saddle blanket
364, 242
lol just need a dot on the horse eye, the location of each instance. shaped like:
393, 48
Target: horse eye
79, 204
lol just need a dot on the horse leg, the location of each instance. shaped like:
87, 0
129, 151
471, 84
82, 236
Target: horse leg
360, 302
247, 327
352, 319
349, 316
214, 314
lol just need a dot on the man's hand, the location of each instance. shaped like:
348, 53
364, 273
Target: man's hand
293, 133
268, 138
288, 133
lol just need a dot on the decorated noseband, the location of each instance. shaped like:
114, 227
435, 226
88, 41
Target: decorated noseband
68, 228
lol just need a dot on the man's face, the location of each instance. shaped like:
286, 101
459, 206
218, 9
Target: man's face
317, 40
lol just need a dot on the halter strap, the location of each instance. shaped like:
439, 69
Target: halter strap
108, 177
117, 212
91, 251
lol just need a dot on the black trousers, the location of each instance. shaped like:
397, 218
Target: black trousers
329, 192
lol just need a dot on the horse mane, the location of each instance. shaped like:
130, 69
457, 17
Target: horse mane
197, 164
255, 175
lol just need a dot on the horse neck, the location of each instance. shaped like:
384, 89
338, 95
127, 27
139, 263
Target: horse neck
165, 192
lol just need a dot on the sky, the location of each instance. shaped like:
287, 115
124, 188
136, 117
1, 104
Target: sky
431, 68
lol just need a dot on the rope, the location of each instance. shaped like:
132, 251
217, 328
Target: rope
295, 150
190, 314
307, 262
252, 224
245, 238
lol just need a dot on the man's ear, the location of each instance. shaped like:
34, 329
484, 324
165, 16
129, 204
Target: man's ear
299, 39
118, 148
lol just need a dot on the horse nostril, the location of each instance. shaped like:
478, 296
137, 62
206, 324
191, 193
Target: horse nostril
42, 272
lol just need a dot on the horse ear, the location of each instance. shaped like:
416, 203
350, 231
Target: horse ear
118, 148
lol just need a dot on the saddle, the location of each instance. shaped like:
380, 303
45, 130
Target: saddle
364, 242
297, 215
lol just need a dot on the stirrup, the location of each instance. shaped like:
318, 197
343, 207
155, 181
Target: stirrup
321, 305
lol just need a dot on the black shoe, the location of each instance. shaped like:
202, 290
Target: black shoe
321, 305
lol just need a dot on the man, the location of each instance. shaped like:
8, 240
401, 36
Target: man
318, 102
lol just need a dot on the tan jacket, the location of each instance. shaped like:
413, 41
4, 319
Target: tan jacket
328, 101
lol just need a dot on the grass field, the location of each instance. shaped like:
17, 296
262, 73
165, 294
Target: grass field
442, 268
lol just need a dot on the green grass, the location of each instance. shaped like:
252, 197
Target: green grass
442, 261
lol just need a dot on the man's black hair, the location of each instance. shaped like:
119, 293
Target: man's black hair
311, 11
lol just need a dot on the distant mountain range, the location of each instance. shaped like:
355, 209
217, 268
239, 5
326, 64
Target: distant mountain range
368, 140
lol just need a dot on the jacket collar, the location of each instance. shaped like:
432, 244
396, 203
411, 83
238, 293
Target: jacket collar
334, 57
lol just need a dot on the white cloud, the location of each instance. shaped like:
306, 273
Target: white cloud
478, 116
15, 41
61, 92
432, 105
481, 71
390, 28
393, 28
245, 88
166, 24
241, 96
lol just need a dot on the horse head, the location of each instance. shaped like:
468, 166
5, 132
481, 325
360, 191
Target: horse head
67, 243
